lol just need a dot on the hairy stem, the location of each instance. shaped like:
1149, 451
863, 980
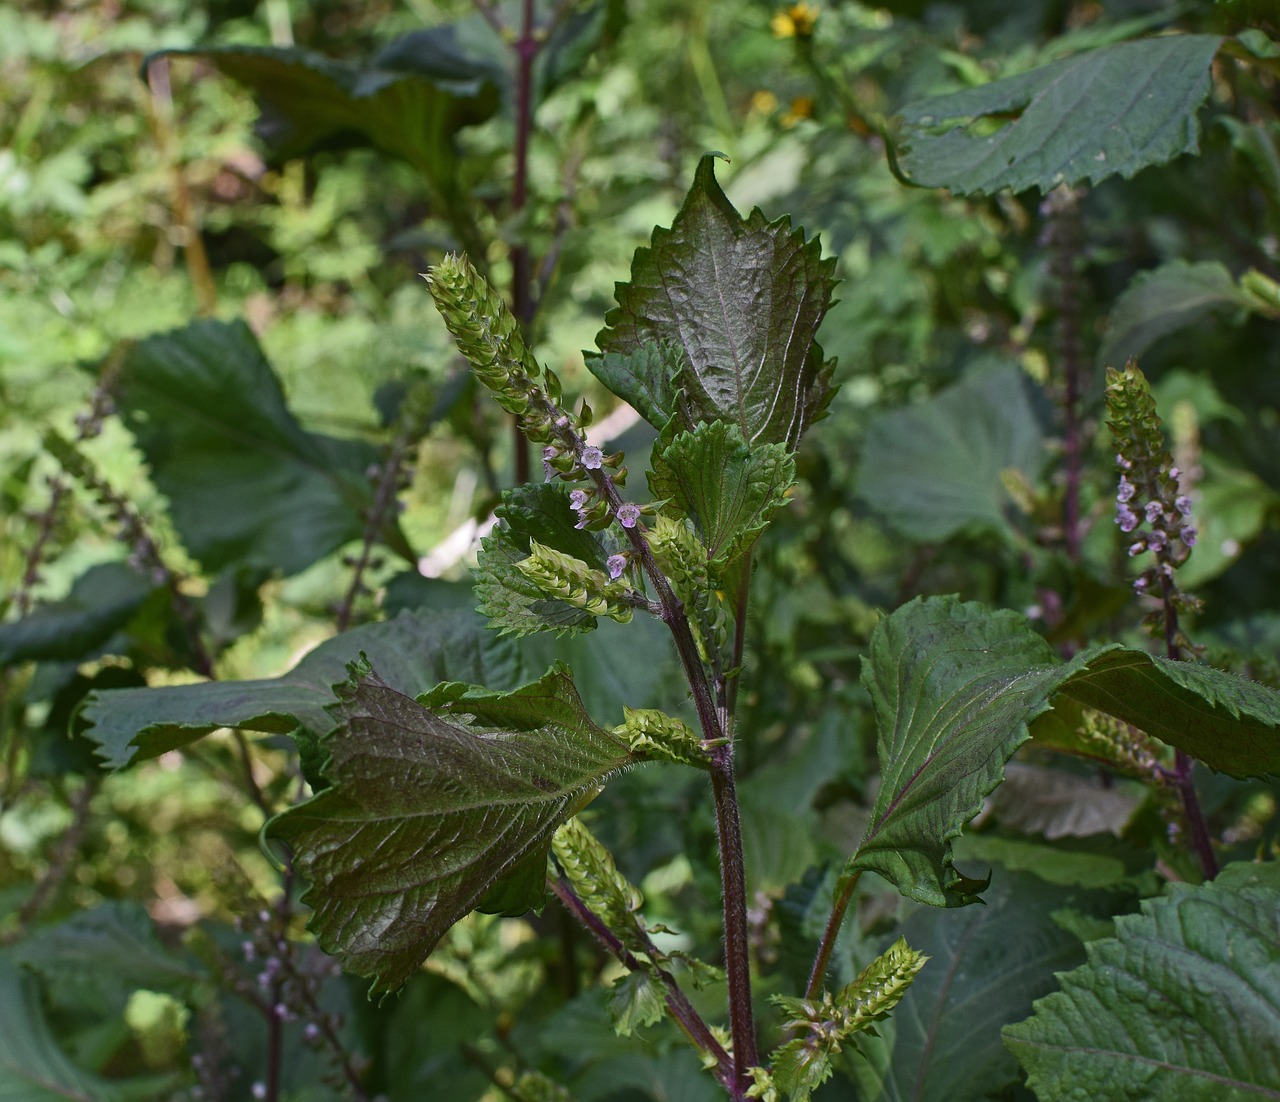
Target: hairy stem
828, 943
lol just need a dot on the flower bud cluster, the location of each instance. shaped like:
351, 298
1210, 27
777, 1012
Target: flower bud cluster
1150, 505
575, 582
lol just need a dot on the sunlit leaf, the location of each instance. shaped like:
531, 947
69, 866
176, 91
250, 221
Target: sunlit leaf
1180, 1006
1116, 109
430, 804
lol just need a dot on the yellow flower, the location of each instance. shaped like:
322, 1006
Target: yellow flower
801, 108
764, 102
797, 21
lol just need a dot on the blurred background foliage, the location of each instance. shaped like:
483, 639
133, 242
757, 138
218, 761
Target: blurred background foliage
138, 914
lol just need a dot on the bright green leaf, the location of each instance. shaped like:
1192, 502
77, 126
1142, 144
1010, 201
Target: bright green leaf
1116, 109
934, 469
1180, 1006
1164, 300
743, 298
431, 803
247, 486
413, 652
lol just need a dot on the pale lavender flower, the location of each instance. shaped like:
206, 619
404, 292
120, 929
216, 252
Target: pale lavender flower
549, 453
1183, 505
1188, 535
616, 564
592, 457
1154, 510
1157, 541
1137, 547
628, 514
1126, 518
1126, 491
578, 500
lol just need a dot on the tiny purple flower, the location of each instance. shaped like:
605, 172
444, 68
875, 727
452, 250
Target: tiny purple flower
1158, 541
1137, 547
1126, 518
1183, 505
578, 500
1123, 463
628, 514
616, 564
592, 457
1140, 584
1153, 510
1188, 535
1175, 473
549, 453
1126, 491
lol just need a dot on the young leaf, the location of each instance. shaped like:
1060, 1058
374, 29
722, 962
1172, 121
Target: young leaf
954, 686
1116, 109
729, 489
1164, 300
413, 652
1180, 1006
247, 486
431, 803
743, 298
934, 469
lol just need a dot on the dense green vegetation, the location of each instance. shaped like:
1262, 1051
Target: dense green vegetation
869, 688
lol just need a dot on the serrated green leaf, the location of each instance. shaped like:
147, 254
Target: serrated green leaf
431, 803
247, 486
1116, 109
102, 600
644, 377
727, 488
33, 1068
934, 469
1164, 300
743, 298
1180, 1006
986, 967
636, 1001
413, 651
1229, 723
954, 686
512, 602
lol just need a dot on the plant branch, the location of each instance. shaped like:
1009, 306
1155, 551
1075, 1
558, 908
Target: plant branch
828, 943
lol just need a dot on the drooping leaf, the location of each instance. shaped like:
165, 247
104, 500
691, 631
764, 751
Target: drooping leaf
33, 1068
247, 485
1116, 109
1229, 723
954, 686
431, 803
1180, 1006
1164, 300
644, 377
729, 489
413, 652
512, 602
743, 298
102, 601
986, 967
1035, 799
409, 104
934, 469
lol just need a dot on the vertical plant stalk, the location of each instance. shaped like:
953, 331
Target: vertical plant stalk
829, 934
683, 1011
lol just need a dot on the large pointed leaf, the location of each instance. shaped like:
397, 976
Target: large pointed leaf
986, 967
408, 104
1181, 1005
431, 803
102, 600
1165, 300
743, 298
954, 686
1112, 110
247, 486
934, 469
729, 489
413, 652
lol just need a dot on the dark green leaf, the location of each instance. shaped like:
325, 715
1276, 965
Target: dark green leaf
954, 686
728, 489
743, 298
1180, 1006
431, 803
513, 603
934, 469
311, 102
986, 967
414, 652
1112, 110
247, 486
101, 602
1166, 299
644, 377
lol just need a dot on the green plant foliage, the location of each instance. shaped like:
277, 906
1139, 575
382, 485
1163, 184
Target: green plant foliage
935, 469
247, 485
413, 652
1113, 110
743, 298
409, 780
646, 377
1180, 1004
